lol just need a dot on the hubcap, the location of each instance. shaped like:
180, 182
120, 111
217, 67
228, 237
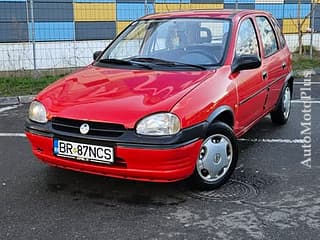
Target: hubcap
215, 157
286, 102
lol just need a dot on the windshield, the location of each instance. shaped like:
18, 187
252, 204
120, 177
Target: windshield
171, 42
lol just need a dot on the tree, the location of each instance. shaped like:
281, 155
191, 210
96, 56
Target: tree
300, 23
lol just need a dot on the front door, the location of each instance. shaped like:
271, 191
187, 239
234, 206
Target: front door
251, 87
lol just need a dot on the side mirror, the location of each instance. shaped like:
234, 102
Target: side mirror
96, 55
245, 62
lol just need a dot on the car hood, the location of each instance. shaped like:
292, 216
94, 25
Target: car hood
118, 95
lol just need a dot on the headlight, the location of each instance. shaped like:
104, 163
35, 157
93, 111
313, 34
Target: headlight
159, 124
37, 112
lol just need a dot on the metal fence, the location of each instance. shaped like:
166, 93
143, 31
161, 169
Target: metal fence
39, 34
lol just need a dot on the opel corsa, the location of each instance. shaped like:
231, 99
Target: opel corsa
167, 99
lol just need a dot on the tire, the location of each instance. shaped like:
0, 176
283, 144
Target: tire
218, 157
281, 113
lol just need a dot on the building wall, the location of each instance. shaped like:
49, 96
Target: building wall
67, 32
61, 20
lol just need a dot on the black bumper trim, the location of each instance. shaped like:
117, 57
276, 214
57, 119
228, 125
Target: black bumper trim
38, 128
148, 146
128, 139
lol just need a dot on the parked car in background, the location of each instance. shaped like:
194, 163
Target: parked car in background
167, 99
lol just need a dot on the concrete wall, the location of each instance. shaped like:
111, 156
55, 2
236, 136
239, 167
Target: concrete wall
61, 54
64, 54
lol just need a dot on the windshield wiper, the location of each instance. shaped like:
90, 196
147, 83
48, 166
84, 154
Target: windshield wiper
166, 62
123, 62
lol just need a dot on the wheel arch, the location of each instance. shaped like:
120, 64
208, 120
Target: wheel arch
289, 81
223, 114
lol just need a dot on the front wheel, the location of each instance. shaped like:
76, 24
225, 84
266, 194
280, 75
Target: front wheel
281, 113
217, 158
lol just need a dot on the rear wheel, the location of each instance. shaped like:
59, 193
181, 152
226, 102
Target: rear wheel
281, 113
218, 157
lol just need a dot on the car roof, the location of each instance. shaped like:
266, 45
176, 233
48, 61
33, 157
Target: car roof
225, 13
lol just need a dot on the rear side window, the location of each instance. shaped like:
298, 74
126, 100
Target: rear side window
247, 39
269, 40
277, 28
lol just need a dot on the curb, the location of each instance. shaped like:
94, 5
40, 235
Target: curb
16, 100
315, 71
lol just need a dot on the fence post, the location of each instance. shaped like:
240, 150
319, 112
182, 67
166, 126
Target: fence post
145, 7
33, 38
312, 29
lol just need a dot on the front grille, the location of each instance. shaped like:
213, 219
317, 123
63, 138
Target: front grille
96, 128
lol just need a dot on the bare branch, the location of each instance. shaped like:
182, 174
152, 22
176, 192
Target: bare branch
313, 7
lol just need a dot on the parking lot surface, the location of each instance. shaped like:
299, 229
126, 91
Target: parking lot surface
273, 194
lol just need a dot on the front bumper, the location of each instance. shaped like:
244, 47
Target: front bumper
160, 161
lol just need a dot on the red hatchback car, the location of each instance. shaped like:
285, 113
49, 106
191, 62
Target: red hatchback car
167, 99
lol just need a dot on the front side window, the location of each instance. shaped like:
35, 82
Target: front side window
247, 43
269, 40
186, 41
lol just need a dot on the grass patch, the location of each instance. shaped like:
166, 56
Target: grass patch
12, 86
302, 62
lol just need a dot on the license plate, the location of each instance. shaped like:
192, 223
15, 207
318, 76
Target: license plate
84, 152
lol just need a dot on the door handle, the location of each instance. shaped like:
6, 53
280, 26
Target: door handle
283, 65
264, 75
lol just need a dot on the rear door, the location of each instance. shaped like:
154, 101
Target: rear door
275, 65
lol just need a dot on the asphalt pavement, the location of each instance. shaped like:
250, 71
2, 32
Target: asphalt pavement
273, 194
